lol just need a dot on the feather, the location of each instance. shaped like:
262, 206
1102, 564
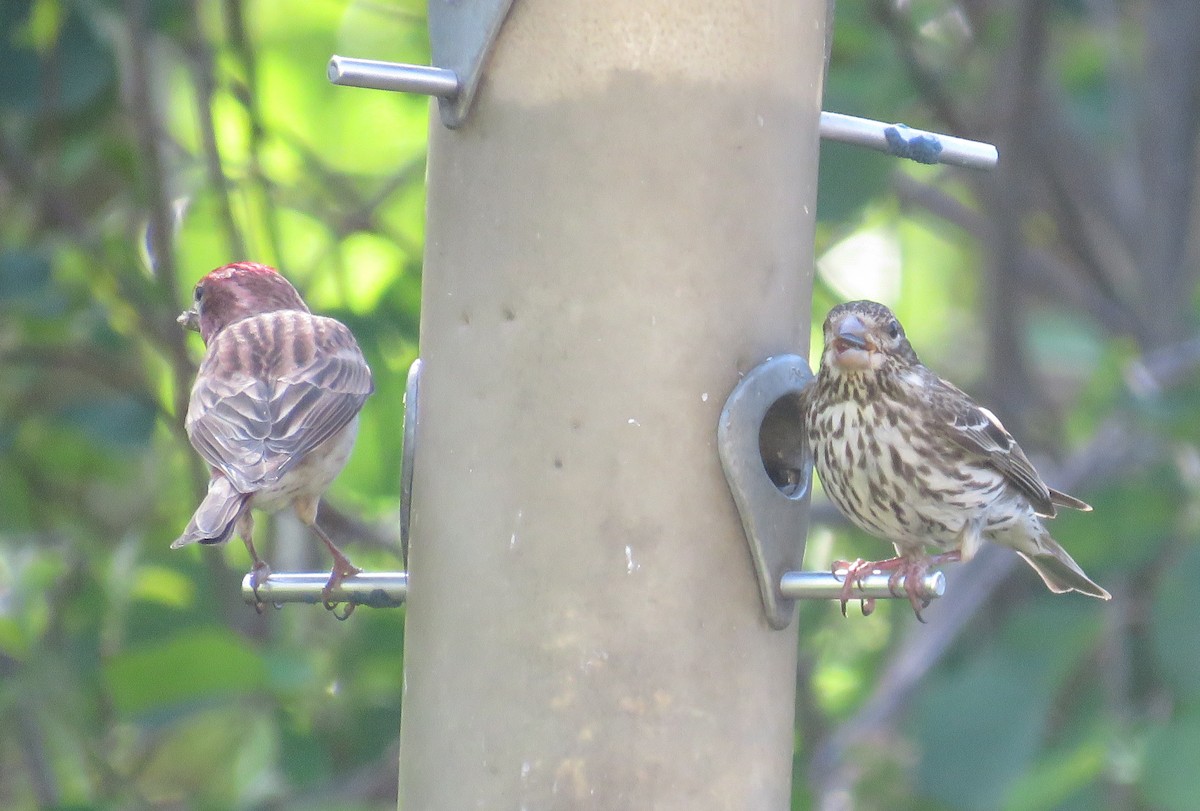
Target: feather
272, 388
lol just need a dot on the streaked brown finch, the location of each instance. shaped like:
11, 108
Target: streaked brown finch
274, 409
910, 458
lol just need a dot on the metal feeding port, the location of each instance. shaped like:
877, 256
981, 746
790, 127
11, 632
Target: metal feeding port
768, 464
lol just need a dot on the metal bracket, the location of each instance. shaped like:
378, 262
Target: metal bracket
904, 142
461, 36
762, 446
409, 453
764, 451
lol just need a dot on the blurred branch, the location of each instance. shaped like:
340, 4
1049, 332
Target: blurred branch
1163, 368
1004, 194
344, 527
235, 30
376, 781
57, 210
160, 231
31, 742
357, 211
896, 21
143, 114
833, 768
1167, 144
1083, 201
86, 361
1038, 266
204, 74
33, 749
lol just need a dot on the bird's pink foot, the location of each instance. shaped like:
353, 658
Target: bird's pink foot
342, 568
258, 574
853, 573
911, 572
905, 581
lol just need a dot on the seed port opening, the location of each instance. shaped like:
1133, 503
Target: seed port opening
783, 447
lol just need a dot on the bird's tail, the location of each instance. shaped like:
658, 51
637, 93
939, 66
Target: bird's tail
1059, 570
1065, 500
216, 517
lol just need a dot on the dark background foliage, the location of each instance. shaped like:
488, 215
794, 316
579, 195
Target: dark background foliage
144, 143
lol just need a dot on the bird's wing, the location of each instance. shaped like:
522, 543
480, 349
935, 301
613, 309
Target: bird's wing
978, 431
271, 389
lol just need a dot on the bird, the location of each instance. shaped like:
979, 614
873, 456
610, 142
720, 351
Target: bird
274, 410
910, 458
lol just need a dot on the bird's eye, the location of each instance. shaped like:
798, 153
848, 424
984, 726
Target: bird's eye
199, 292
893, 329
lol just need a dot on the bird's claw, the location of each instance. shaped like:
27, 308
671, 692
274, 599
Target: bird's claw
258, 574
912, 573
853, 573
342, 569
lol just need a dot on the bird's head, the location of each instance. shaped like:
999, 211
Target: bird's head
864, 336
233, 292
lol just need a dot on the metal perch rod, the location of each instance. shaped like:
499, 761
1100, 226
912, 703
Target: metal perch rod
369, 73
827, 586
906, 142
894, 139
372, 589
389, 589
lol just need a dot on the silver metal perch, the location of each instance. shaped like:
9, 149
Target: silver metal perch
371, 589
906, 142
828, 586
375, 75
461, 36
445, 84
390, 589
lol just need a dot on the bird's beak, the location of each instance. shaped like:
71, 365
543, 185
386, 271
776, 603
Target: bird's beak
852, 347
852, 333
189, 319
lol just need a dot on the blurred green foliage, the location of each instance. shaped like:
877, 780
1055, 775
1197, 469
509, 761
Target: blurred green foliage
144, 143
132, 676
1007, 285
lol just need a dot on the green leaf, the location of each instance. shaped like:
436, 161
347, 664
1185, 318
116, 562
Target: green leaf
981, 725
978, 728
23, 275
1169, 781
51, 78
1053, 781
118, 422
1175, 632
849, 178
197, 666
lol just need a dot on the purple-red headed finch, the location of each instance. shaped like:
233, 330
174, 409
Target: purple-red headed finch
274, 409
911, 459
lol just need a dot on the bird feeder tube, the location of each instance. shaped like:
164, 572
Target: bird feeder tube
390, 589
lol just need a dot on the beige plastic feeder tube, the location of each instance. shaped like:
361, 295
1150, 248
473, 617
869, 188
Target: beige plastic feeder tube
622, 227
